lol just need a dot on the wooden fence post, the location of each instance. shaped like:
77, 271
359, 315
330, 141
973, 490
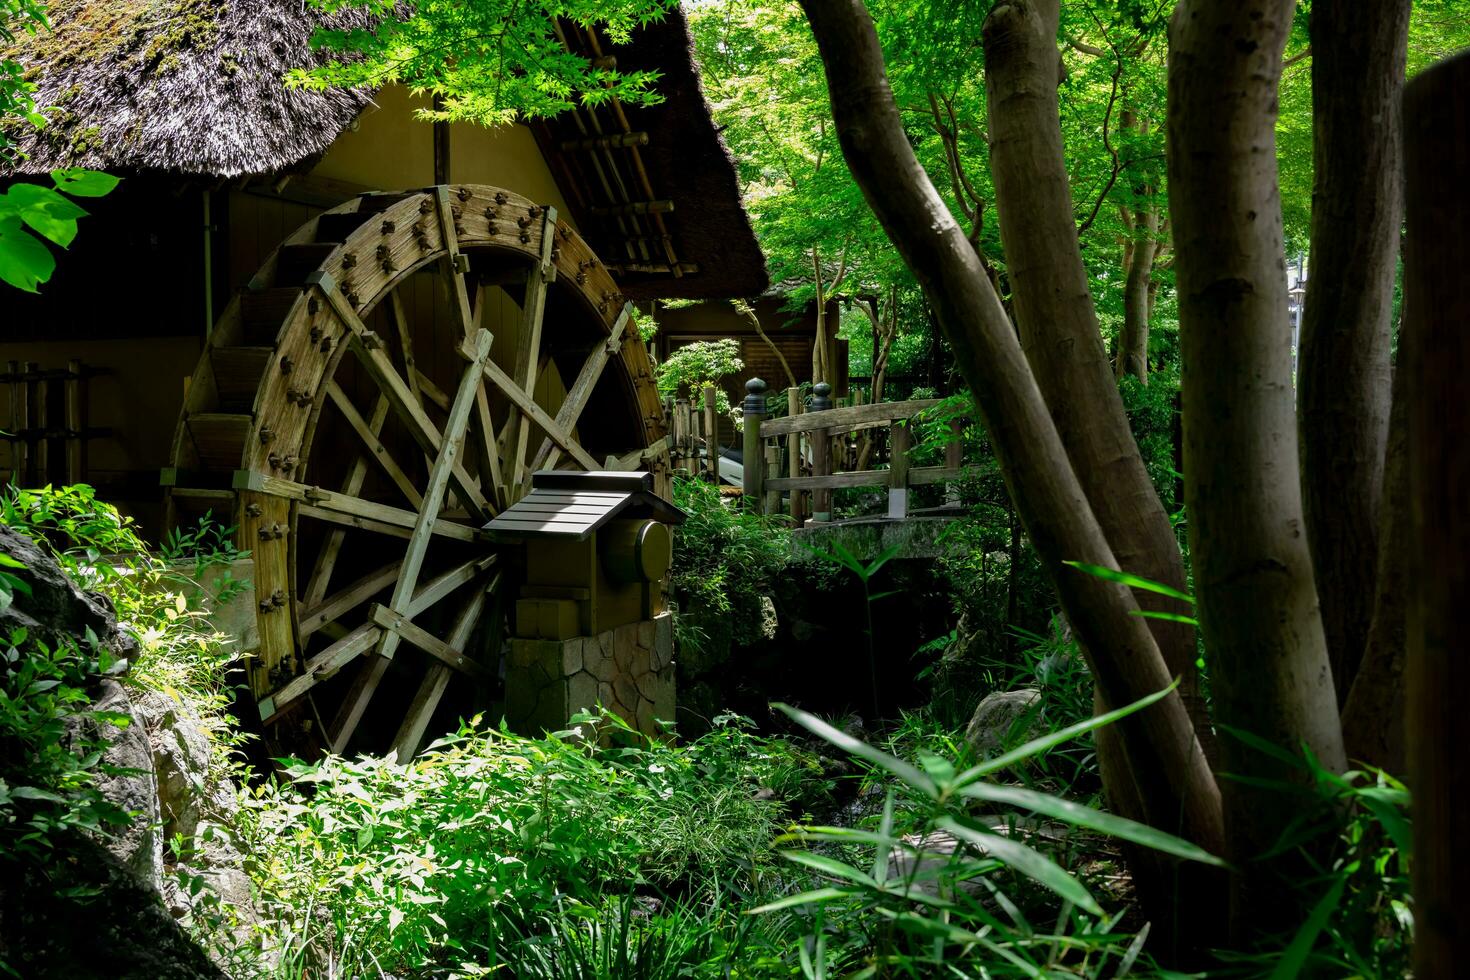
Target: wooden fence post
681, 434
900, 439
753, 460
954, 459
711, 436
772, 502
821, 455
793, 453
14, 421
28, 454
76, 423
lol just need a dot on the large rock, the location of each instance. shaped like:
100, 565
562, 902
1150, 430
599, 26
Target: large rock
1003, 719
56, 610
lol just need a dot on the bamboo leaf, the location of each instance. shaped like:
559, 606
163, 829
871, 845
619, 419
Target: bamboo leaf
1126, 578
861, 749
1033, 864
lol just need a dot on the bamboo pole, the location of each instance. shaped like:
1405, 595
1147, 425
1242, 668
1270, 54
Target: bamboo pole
711, 436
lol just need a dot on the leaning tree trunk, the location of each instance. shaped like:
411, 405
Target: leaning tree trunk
1059, 331
1358, 50
1253, 576
1437, 301
1040, 478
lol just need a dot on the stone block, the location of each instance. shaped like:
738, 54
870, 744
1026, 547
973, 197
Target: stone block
581, 691
605, 694
626, 692
646, 632
571, 656
625, 643
663, 641
597, 661
647, 723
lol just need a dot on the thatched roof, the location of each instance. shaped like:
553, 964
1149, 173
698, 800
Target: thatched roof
185, 86
685, 160
194, 88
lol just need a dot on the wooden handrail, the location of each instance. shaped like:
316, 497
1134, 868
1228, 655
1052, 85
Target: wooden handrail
851, 417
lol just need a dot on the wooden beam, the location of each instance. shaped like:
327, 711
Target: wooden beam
439, 479
611, 141
320, 667
317, 502
852, 416
633, 207
528, 405
401, 626
464, 317
528, 353
347, 599
367, 347
431, 689
326, 559
582, 388
374, 444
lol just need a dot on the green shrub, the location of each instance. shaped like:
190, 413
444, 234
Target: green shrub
725, 560
373, 866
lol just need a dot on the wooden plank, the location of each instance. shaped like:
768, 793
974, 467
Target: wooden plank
900, 441
263, 512
399, 316
430, 390
528, 405
431, 689
400, 626
326, 559
320, 667
441, 586
374, 445
581, 390
528, 352
403, 591
711, 436
367, 348
847, 418
638, 457
529, 506
76, 443
833, 481
347, 599
318, 502
923, 475
482, 425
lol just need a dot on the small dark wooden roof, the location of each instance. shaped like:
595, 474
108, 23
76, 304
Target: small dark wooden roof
564, 503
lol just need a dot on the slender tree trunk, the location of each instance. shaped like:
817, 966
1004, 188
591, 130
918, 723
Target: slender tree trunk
1137, 302
1253, 577
1050, 500
1059, 331
1358, 51
1437, 301
1373, 727
1058, 323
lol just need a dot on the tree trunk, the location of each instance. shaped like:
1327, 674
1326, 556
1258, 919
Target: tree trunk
1137, 302
1058, 323
1059, 331
1373, 727
1253, 577
1437, 301
1051, 502
1358, 51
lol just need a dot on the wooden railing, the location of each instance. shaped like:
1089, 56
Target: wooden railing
798, 455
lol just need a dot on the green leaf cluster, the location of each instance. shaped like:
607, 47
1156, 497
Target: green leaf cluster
32, 214
491, 62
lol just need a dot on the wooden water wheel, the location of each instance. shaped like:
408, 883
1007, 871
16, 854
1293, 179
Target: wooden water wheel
386, 385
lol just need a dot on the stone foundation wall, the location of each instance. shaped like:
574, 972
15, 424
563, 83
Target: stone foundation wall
628, 669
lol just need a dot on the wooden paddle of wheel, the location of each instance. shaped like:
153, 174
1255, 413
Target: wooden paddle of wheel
369, 403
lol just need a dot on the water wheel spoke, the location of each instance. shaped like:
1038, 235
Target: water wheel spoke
404, 330
528, 350
346, 600
326, 559
320, 667
534, 412
436, 680
374, 444
368, 349
403, 589
405, 629
341, 508
581, 391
